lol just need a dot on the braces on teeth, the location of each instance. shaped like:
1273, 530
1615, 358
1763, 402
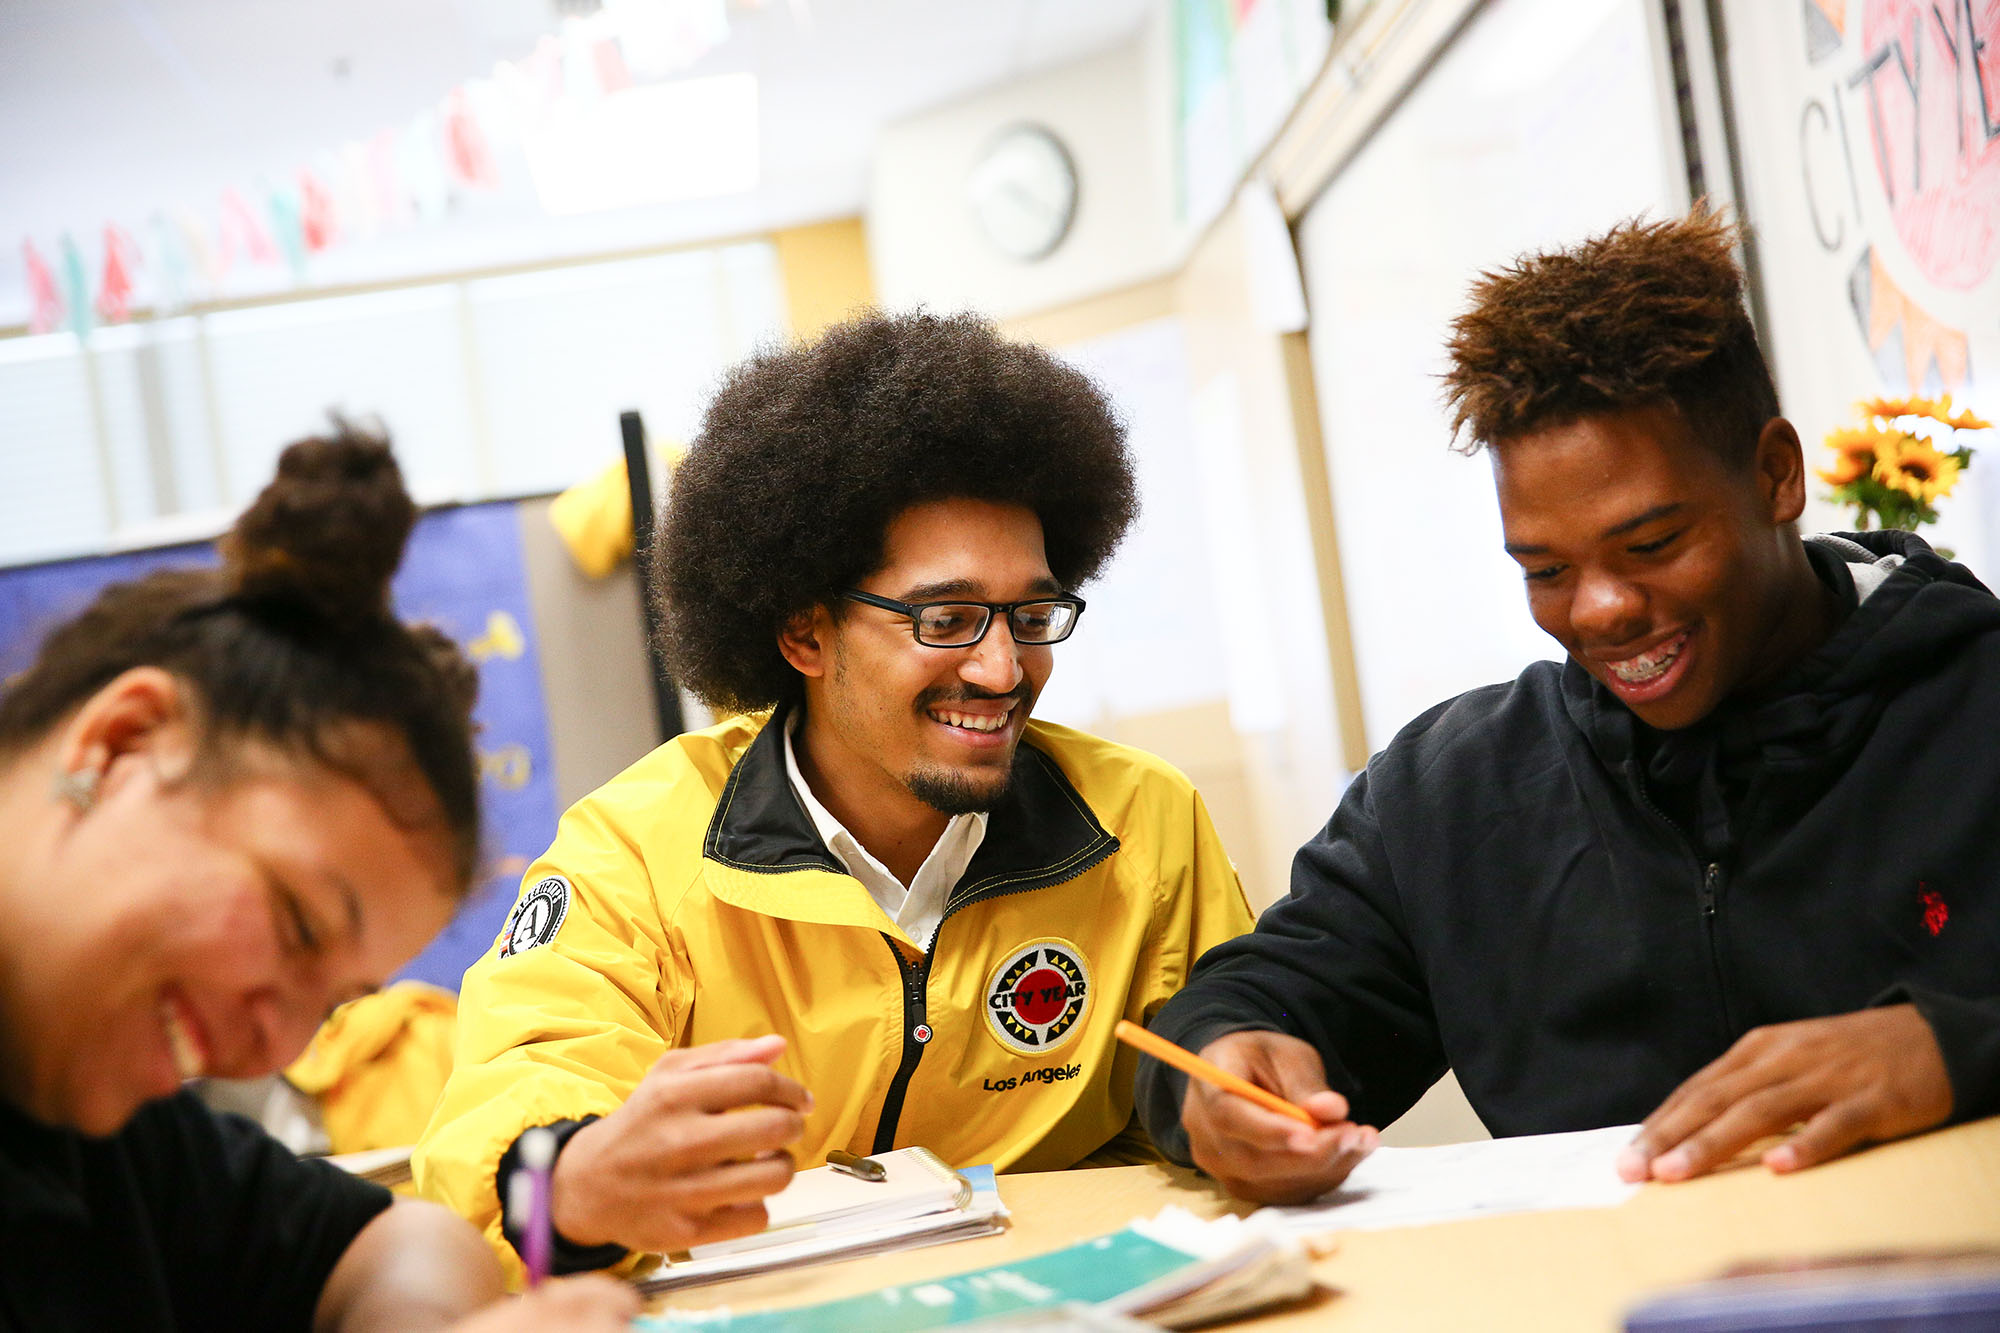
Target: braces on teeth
1647, 666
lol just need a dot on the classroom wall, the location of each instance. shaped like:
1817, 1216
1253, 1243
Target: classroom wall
825, 273
595, 672
596, 681
1109, 111
1158, 663
1284, 700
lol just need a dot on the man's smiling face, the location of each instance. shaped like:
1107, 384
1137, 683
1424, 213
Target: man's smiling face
1661, 569
893, 720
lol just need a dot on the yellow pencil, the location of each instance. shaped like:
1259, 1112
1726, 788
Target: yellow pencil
1189, 1063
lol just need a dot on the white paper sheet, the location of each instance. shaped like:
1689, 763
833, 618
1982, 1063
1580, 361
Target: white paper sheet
1403, 1187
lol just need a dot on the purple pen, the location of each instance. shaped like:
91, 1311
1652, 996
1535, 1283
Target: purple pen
538, 1155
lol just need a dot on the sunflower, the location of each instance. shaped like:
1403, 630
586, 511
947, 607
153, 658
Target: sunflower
1906, 464
1894, 465
1854, 450
1890, 410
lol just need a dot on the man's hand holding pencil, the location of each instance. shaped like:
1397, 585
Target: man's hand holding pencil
691, 1155
1253, 1150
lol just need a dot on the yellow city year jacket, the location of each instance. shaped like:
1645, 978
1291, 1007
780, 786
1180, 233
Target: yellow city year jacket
691, 900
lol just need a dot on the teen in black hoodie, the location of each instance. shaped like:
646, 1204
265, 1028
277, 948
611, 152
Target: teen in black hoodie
1731, 868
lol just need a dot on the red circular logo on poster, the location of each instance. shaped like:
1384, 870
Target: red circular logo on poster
1037, 996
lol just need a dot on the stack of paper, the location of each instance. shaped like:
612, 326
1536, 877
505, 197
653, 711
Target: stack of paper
824, 1215
1244, 1266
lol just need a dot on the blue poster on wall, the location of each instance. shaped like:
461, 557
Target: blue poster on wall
463, 572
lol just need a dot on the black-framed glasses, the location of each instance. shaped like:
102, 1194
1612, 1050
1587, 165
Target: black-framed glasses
1037, 621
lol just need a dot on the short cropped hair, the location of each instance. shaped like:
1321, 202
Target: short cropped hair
808, 451
1648, 313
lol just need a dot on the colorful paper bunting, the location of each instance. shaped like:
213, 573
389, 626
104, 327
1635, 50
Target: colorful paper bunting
170, 265
76, 289
466, 149
205, 256
316, 225
114, 290
45, 303
245, 232
400, 175
287, 228
612, 74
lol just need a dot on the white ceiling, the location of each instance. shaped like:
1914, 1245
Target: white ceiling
113, 109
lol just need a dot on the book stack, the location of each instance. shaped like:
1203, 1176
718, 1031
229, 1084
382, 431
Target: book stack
1173, 1271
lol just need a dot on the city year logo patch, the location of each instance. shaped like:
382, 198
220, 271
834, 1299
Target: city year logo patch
536, 917
1037, 996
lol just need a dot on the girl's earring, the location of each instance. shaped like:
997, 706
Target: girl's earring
78, 787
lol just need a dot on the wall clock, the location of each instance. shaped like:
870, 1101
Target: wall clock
1023, 192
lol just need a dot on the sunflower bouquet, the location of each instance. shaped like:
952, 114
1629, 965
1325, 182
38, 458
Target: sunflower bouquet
1897, 464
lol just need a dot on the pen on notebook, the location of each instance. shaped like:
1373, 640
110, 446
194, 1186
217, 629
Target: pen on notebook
538, 1154
1189, 1063
863, 1168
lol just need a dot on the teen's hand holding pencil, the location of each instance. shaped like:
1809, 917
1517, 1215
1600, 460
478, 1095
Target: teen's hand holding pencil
1253, 1150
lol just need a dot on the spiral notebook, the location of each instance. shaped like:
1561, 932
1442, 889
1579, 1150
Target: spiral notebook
825, 1215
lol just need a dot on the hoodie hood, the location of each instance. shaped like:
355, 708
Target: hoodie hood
1908, 605
1909, 608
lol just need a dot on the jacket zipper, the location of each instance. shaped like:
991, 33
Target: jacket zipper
1711, 893
916, 985
916, 978
1709, 897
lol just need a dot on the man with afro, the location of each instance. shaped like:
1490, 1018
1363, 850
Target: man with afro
1729, 869
880, 876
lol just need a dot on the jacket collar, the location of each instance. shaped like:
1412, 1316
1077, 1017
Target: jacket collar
762, 853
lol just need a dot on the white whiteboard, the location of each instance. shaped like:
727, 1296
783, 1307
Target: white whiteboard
1144, 646
1541, 124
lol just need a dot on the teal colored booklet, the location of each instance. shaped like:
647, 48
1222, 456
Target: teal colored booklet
1094, 1271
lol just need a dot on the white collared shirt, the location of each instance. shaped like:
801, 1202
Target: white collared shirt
918, 906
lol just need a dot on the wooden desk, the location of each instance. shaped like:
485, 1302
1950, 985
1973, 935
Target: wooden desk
1533, 1271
